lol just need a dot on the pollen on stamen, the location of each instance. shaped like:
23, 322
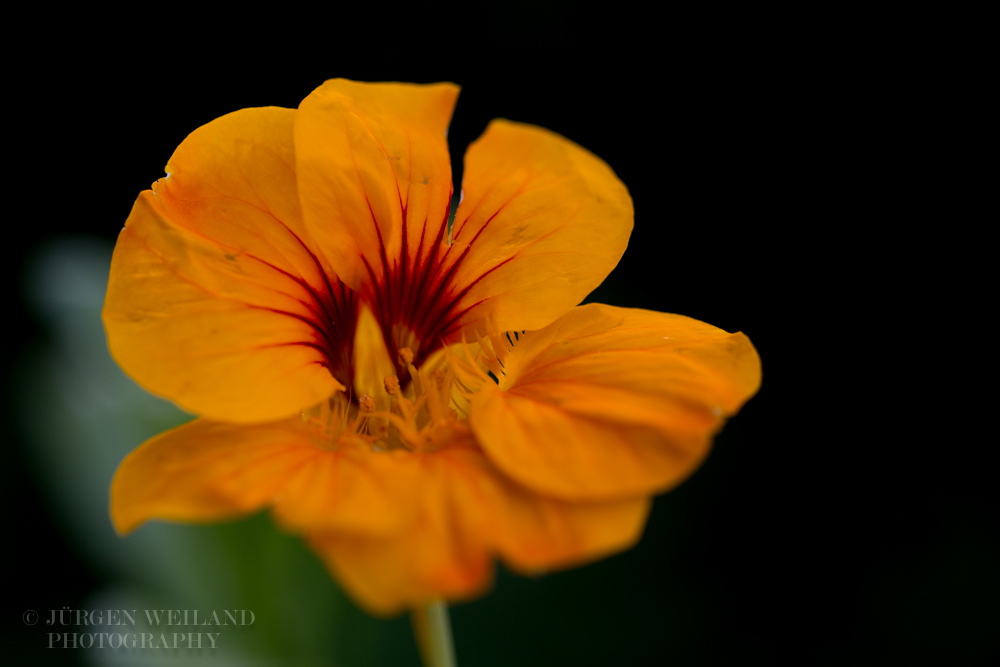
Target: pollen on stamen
366, 406
391, 385
404, 356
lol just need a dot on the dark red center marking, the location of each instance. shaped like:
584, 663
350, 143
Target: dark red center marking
416, 292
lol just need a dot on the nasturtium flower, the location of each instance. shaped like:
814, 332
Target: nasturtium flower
415, 398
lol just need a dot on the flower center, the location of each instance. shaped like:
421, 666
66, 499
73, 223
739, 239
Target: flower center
416, 298
423, 418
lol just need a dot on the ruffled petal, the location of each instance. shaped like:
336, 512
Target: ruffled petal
218, 299
467, 512
375, 185
611, 402
541, 224
207, 471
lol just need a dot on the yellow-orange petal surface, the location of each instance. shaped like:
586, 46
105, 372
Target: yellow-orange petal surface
218, 298
374, 171
541, 224
466, 512
351, 488
612, 402
208, 471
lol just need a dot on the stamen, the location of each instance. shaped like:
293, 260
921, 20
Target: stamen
422, 421
501, 347
405, 358
329, 420
465, 372
490, 360
366, 406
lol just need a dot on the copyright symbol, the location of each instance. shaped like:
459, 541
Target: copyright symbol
30, 617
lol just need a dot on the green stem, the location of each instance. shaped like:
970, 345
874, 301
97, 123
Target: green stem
433, 631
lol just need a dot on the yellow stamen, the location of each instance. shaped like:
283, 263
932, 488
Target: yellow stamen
465, 373
501, 346
329, 419
366, 406
405, 358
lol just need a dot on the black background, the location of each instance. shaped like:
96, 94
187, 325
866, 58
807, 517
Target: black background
837, 520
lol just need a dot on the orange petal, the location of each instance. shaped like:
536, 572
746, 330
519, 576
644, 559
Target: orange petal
429, 560
375, 182
612, 402
352, 488
206, 471
466, 511
218, 299
541, 224
534, 532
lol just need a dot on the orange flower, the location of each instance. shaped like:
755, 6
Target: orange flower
294, 280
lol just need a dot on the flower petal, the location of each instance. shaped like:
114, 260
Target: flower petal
351, 488
466, 513
612, 402
206, 471
375, 185
217, 298
430, 560
533, 532
543, 221
541, 224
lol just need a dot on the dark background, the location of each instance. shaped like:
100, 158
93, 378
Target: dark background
836, 522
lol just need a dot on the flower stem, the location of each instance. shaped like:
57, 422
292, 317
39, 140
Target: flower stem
433, 631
